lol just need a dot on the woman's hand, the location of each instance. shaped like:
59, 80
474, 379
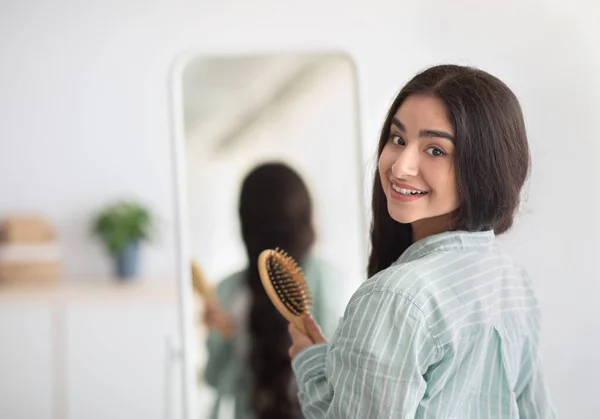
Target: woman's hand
216, 319
301, 340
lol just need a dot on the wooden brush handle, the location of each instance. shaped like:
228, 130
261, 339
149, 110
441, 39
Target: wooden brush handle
201, 285
299, 323
206, 291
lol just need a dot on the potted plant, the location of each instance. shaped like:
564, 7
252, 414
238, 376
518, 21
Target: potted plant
122, 226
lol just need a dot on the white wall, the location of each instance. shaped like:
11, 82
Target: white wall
84, 117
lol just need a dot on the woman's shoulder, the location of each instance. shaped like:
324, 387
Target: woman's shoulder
315, 263
445, 281
400, 278
230, 285
329, 287
425, 279
319, 272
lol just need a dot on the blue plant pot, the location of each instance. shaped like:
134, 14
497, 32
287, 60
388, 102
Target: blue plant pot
127, 262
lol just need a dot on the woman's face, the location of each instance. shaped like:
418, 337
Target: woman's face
416, 164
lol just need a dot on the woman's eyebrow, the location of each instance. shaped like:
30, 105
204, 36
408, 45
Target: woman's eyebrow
426, 133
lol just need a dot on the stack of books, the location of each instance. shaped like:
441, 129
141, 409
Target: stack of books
29, 253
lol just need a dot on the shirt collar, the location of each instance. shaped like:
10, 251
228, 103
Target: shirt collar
449, 240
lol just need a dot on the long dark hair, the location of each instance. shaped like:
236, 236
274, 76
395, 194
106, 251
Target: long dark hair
275, 211
491, 156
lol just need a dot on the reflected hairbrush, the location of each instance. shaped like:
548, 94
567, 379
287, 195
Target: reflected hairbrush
285, 285
200, 283
206, 291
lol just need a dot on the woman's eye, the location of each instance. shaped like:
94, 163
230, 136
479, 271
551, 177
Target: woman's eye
435, 152
396, 139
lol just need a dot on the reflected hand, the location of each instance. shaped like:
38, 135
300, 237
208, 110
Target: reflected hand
301, 340
216, 319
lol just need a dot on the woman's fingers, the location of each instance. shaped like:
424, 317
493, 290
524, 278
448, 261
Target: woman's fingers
301, 340
313, 330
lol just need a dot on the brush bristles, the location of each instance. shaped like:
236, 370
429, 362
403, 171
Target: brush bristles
289, 282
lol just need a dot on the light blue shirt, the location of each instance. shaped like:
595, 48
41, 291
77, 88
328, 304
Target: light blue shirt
451, 330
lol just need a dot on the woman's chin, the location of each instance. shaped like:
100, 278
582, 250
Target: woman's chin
403, 217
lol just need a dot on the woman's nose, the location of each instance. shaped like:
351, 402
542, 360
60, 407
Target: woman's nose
406, 164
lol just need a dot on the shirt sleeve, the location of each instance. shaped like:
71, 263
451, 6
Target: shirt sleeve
220, 350
534, 401
374, 365
220, 354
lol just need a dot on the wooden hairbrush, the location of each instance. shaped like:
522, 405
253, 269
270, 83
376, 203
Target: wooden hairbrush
200, 283
206, 291
285, 285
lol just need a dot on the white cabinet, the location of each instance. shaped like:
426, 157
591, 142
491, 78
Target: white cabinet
117, 360
89, 352
26, 364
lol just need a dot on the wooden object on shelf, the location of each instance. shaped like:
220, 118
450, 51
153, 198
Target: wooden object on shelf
28, 252
29, 272
82, 290
25, 229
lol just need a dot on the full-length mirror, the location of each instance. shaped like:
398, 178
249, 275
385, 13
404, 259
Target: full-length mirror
272, 159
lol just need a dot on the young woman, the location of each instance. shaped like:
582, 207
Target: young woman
447, 326
250, 362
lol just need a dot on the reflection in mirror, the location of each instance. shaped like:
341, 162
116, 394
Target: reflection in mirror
273, 159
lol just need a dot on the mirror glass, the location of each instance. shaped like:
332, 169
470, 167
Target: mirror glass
285, 117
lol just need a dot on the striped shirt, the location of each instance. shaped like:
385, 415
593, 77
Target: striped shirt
450, 330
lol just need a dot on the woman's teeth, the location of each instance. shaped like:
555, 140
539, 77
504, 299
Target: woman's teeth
407, 191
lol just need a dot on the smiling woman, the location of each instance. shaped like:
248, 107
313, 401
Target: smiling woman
448, 325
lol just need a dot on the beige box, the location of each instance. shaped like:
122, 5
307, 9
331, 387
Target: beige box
25, 229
